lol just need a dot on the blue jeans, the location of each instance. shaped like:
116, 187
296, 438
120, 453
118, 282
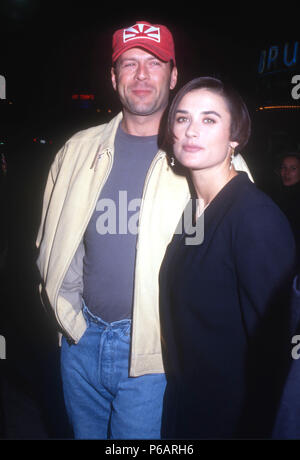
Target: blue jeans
102, 401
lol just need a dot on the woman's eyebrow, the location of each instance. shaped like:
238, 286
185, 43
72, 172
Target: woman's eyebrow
205, 112
209, 112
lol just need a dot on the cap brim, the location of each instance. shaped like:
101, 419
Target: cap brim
151, 48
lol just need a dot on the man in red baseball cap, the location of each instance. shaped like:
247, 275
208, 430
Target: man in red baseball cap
106, 292
144, 70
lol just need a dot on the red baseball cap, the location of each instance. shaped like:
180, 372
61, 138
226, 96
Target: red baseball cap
155, 38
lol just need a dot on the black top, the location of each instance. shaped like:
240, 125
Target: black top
224, 312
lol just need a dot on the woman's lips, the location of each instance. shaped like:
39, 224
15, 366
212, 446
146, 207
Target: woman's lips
192, 148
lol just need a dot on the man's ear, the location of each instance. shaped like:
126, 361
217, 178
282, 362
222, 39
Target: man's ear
173, 79
113, 78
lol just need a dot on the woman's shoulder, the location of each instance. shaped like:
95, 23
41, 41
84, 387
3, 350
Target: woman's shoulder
248, 195
253, 208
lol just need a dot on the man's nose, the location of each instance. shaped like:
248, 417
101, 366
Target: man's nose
142, 72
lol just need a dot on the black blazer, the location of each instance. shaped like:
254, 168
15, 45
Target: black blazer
224, 310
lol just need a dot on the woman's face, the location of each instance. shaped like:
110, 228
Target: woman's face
290, 171
202, 130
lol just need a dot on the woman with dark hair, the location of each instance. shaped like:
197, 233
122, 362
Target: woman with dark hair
288, 196
290, 169
224, 301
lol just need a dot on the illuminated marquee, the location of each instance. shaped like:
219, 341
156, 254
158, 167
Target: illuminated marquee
279, 58
83, 97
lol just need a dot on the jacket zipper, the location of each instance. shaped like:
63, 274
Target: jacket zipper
158, 157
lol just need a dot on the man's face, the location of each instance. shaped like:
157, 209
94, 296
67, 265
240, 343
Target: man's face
143, 82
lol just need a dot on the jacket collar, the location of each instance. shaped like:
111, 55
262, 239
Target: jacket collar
109, 133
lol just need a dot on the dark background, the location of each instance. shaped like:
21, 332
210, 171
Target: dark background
53, 50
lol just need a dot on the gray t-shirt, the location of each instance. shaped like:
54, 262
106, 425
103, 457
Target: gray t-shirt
110, 237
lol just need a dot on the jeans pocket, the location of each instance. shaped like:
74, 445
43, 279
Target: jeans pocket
125, 334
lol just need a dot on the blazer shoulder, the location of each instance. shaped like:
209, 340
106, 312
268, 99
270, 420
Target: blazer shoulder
249, 196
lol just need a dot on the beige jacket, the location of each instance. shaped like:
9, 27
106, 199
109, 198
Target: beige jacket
75, 180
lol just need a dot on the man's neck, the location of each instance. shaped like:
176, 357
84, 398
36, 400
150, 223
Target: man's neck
138, 125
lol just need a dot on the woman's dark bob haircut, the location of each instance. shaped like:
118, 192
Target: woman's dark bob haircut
240, 120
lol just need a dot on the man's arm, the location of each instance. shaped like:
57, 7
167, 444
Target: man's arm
48, 191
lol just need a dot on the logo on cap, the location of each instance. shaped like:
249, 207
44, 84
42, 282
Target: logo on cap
141, 31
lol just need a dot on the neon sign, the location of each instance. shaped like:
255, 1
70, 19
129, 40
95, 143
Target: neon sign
83, 97
279, 58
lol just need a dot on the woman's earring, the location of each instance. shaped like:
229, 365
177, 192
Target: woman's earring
231, 157
172, 162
